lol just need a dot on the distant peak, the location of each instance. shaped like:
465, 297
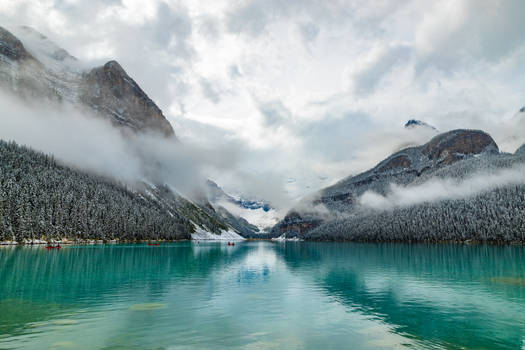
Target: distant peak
413, 123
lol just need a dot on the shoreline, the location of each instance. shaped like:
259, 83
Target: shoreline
145, 241
37, 242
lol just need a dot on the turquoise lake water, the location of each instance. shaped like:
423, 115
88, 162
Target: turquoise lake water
263, 295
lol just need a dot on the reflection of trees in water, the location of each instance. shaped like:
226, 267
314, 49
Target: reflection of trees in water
343, 271
37, 285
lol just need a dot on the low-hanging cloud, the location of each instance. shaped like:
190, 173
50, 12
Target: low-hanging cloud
91, 143
443, 189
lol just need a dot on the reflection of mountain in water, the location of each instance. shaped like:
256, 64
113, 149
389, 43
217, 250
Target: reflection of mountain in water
452, 295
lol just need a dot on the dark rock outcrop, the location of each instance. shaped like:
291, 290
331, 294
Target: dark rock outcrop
11, 47
413, 123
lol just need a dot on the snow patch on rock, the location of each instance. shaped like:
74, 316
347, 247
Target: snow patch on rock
203, 235
282, 238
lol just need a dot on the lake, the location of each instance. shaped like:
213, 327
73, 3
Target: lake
263, 295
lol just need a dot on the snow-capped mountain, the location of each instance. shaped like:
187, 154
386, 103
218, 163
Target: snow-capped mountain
258, 212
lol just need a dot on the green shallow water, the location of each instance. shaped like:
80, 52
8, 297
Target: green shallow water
263, 295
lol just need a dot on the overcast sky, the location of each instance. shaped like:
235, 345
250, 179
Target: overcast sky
308, 91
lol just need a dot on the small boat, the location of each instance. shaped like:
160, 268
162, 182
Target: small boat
53, 246
153, 244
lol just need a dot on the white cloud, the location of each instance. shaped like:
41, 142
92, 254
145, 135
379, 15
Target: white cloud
465, 32
365, 74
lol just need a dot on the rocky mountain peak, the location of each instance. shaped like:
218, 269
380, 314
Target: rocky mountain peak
114, 68
414, 123
111, 91
452, 145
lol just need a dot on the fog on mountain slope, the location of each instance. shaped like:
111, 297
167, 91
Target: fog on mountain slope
92, 144
438, 189
43, 200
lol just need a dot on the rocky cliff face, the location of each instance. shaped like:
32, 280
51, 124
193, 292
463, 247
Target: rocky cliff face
403, 167
48, 71
113, 93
